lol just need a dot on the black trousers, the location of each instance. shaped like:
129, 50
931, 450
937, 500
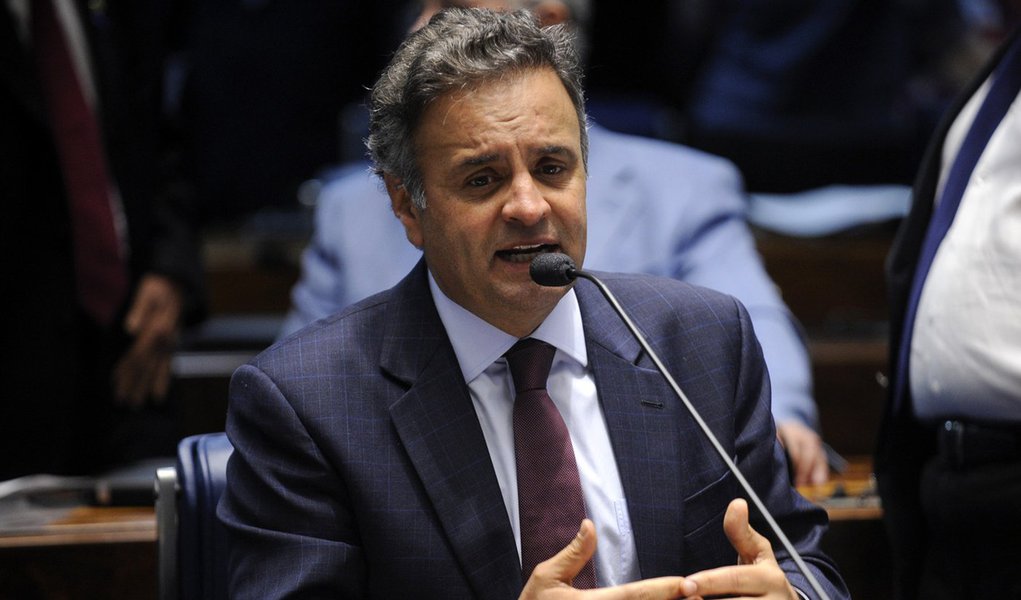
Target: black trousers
973, 515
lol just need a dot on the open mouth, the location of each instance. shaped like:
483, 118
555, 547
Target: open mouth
525, 254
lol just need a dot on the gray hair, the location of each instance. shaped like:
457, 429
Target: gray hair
460, 48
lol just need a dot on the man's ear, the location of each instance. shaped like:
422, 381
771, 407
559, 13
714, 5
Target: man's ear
404, 209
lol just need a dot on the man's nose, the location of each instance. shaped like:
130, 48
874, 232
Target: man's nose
526, 204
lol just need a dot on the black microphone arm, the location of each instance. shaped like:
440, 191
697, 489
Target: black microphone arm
556, 270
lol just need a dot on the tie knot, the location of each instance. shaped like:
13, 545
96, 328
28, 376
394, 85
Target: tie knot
530, 361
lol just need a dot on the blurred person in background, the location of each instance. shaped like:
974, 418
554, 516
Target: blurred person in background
98, 240
948, 462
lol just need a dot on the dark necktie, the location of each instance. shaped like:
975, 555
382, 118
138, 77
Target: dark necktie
550, 501
99, 267
1006, 82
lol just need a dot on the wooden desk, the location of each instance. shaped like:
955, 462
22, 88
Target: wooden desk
856, 540
110, 552
88, 525
848, 496
81, 552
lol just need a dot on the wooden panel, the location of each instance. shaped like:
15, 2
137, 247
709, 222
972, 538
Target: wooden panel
833, 284
848, 374
251, 273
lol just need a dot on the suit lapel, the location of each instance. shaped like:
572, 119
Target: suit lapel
439, 429
907, 245
635, 397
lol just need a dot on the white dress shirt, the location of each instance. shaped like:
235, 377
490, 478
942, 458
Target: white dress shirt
966, 343
480, 347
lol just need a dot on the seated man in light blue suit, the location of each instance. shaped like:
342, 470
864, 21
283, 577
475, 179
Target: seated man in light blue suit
653, 207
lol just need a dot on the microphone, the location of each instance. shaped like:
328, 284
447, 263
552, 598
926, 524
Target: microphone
552, 269
557, 270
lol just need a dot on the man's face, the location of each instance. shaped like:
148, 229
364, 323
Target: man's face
504, 179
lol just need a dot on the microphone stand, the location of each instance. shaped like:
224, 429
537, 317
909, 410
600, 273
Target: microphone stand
570, 272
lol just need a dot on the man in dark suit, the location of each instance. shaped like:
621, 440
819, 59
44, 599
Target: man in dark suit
80, 99
381, 453
949, 457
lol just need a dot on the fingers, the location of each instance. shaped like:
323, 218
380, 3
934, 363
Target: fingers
660, 588
563, 566
757, 573
819, 472
141, 375
804, 446
144, 371
764, 580
551, 579
157, 300
750, 545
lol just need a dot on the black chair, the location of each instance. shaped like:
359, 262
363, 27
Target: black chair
191, 547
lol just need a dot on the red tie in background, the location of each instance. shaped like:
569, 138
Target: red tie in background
99, 266
550, 501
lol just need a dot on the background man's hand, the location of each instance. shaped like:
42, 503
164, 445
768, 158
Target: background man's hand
552, 579
757, 573
804, 446
153, 322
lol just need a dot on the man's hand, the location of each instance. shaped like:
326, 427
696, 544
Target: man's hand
552, 579
757, 574
804, 446
153, 321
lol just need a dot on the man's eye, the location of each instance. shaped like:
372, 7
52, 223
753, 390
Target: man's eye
480, 181
551, 169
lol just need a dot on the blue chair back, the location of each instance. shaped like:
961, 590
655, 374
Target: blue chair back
201, 544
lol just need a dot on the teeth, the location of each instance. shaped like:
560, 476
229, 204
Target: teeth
523, 253
521, 257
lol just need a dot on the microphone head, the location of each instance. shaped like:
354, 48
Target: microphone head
552, 270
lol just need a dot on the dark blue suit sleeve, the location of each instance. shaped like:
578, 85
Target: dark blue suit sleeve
289, 533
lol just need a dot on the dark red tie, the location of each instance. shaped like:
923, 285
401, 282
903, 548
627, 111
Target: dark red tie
550, 501
99, 265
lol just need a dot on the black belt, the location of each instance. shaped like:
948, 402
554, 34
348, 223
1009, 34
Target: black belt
966, 444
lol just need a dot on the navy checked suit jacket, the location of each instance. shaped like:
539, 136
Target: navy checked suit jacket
360, 469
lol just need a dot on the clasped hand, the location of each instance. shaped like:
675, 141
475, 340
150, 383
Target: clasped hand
756, 575
153, 321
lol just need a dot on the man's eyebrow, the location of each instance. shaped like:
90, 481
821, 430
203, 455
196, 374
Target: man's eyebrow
482, 159
555, 149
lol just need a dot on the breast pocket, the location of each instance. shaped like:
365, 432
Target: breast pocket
705, 544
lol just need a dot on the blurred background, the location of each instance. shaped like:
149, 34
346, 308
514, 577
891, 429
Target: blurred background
825, 108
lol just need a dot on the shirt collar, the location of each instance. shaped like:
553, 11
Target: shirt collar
477, 344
